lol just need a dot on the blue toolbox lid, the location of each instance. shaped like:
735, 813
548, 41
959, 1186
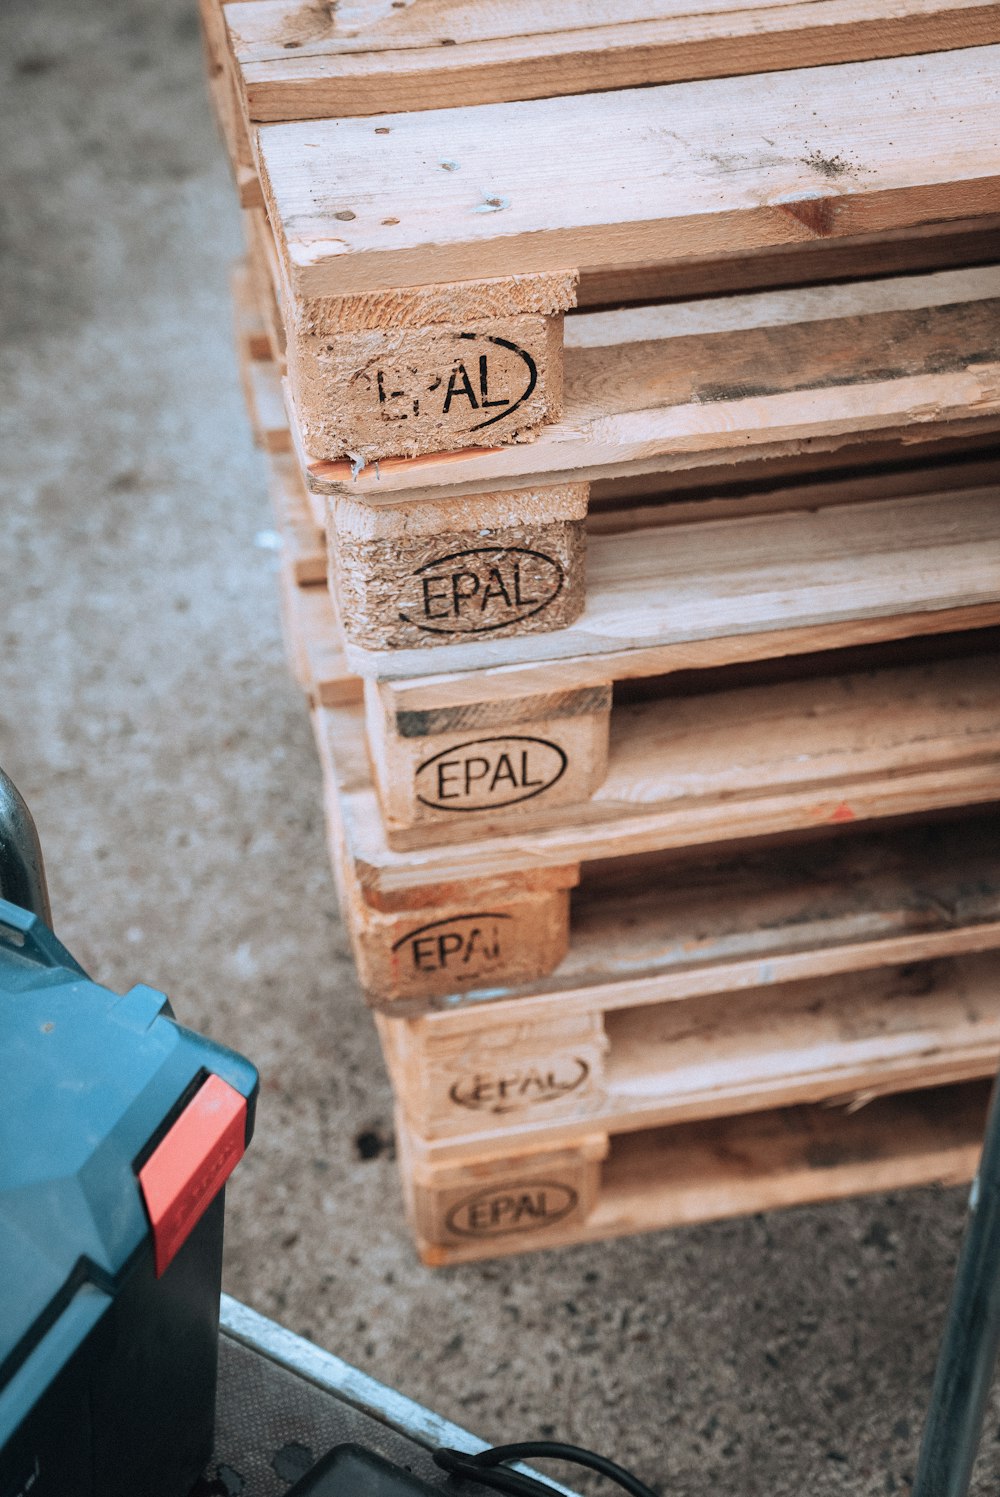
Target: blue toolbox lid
96, 1087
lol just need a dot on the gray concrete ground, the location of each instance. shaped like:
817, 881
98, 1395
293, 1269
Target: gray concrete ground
147, 714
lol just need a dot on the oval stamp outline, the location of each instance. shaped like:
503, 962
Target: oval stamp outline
522, 353
453, 920
435, 805
520, 618
537, 1100
572, 1200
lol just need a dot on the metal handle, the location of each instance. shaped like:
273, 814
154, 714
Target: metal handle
22, 872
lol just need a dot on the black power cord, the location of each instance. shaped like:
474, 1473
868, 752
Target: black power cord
489, 1470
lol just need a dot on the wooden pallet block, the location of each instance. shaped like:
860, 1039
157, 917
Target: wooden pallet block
260, 376
347, 201
687, 1173
311, 641
302, 544
263, 284
251, 335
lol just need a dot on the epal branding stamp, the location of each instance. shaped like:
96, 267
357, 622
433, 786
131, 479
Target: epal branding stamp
488, 773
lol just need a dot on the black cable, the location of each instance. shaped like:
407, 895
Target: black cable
487, 1467
511, 1483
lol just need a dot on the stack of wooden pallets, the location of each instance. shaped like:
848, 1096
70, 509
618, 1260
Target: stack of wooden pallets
637, 384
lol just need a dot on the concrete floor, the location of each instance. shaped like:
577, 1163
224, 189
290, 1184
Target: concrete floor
147, 714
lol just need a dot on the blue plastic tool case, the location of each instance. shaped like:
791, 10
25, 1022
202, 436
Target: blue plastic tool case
118, 1129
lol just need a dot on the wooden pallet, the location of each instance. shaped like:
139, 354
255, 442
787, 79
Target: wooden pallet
413, 584
468, 351
489, 546
288, 62
386, 360
714, 984
511, 743
690, 1172
811, 753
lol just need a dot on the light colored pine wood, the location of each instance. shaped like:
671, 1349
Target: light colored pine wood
673, 928
654, 595
672, 389
297, 63
908, 251
871, 1033
637, 503
381, 393
554, 752
302, 544
512, 742
494, 566
449, 937
224, 93
264, 281
951, 479
311, 640
701, 1171
686, 771
455, 944
252, 340
689, 169
260, 376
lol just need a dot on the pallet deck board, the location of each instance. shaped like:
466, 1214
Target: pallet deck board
681, 761
646, 391
673, 929
669, 172
653, 594
867, 1033
684, 771
697, 1172
295, 63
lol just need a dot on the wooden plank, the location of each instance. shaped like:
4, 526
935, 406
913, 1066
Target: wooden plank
902, 252
313, 649
518, 1084
296, 63
672, 928
252, 341
810, 753
670, 389
668, 172
726, 1167
302, 544
793, 483
654, 594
